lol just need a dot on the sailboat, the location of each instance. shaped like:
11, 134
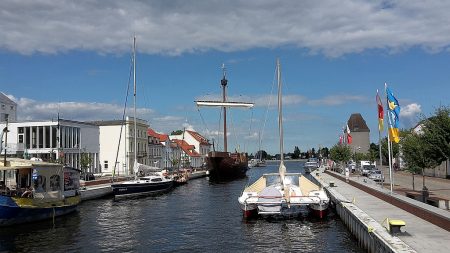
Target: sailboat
280, 194
257, 161
147, 180
224, 165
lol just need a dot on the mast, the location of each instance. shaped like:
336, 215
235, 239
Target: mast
135, 126
282, 168
224, 83
280, 111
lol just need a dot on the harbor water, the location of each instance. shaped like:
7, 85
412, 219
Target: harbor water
197, 217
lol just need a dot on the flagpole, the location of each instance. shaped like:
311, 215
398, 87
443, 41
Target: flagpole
388, 139
379, 135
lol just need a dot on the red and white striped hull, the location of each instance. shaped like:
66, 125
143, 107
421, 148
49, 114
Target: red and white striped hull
319, 211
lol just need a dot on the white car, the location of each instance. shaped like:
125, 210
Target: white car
376, 175
366, 169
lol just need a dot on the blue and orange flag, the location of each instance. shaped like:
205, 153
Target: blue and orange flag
394, 115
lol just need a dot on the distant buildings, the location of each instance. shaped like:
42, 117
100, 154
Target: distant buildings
8, 109
360, 133
109, 145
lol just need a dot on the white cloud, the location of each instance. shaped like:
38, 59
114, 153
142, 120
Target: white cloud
330, 27
29, 109
410, 110
409, 114
333, 100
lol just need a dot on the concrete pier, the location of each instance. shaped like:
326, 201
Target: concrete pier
365, 215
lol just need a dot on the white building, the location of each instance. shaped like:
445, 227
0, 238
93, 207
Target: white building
200, 143
8, 109
156, 149
57, 140
122, 155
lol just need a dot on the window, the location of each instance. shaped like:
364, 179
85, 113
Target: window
12, 107
3, 107
105, 164
21, 138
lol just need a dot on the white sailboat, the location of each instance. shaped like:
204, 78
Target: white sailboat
279, 194
147, 180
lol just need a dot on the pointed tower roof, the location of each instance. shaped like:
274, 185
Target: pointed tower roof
356, 123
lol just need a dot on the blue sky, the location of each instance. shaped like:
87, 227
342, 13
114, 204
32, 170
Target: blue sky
75, 58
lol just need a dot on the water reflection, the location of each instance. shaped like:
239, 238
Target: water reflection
197, 217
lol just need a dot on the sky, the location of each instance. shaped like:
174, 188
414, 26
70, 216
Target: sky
74, 57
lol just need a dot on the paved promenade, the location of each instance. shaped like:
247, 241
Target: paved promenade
419, 234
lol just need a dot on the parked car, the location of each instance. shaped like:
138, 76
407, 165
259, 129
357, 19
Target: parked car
366, 169
376, 175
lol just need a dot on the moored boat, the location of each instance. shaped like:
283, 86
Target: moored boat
148, 181
34, 190
224, 165
280, 194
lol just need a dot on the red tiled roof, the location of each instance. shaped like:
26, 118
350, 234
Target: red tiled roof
198, 137
161, 137
188, 149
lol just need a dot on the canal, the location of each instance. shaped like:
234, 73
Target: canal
197, 217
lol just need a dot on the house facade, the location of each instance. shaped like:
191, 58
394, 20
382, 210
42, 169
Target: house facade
117, 150
57, 140
201, 144
156, 149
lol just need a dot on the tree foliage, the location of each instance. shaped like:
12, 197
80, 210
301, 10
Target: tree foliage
340, 153
297, 153
436, 132
176, 132
430, 146
384, 148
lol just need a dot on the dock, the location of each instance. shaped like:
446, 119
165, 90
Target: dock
366, 209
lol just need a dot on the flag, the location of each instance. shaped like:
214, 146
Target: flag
349, 137
340, 139
393, 114
380, 113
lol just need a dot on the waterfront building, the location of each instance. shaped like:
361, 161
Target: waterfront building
63, 141
360, 133
8, 109
200, 143
156, 150
117, 150
188, 157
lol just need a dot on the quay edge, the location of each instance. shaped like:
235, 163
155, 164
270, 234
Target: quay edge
371, 235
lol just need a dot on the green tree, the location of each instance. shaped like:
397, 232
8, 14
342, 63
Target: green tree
357, 157
384, 148
416, 152
436, 132
296, 153
341, 153
176, 132
85, 162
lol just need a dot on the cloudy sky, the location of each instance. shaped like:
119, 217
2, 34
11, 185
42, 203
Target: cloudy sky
74, 57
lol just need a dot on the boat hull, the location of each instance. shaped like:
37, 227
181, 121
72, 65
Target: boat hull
136, 189
12, 212
224, 166
319, 211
